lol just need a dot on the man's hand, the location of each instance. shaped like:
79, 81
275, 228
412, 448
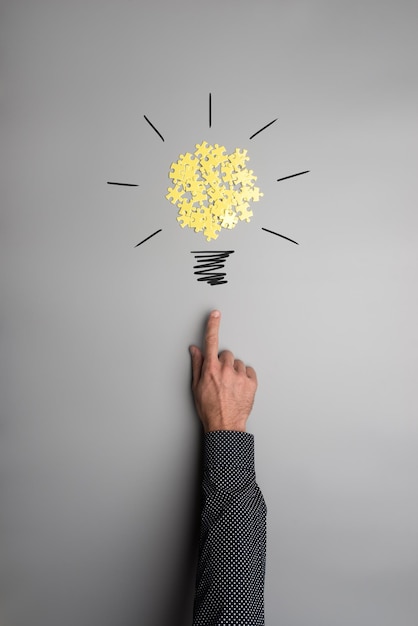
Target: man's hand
223, 387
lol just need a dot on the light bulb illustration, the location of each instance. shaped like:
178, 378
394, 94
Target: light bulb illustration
212, 190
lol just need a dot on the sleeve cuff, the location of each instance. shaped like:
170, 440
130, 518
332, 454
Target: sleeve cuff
229, 448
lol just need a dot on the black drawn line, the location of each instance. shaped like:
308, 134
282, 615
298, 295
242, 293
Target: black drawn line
279, 235
124, 184
209, 264
292, 175
152, 126
146, 239
264, 128
210, 110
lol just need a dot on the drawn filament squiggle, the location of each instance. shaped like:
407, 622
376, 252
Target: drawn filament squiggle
209, 264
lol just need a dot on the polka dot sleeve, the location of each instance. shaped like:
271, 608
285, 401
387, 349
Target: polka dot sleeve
232, 548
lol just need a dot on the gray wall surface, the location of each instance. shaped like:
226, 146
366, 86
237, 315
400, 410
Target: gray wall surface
100, 446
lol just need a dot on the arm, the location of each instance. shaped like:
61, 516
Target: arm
232, 548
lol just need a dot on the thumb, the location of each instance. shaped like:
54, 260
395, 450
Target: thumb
197, 362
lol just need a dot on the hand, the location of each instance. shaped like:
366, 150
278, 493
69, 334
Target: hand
223, 387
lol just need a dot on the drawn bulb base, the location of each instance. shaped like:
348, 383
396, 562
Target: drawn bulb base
210, 265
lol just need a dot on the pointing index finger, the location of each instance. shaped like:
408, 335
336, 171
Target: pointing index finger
212, 336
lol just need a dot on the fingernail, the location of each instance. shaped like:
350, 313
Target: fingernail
215, 313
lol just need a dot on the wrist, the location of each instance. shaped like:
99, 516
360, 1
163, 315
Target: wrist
219, 425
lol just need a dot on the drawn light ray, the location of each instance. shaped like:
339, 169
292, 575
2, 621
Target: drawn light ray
152, 126
149, 237
279, 235
264, 128
293, 175
210, 110
123, 184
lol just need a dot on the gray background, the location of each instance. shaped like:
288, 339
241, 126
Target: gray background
99, 443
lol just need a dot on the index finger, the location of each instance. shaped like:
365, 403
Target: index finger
212, 336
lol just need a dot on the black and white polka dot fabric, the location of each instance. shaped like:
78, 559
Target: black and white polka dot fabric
232, 549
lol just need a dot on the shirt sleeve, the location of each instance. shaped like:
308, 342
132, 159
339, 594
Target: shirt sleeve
232, 545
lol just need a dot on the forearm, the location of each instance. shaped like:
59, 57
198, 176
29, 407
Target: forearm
232, 550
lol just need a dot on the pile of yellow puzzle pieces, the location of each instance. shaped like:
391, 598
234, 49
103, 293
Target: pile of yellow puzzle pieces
212, 189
